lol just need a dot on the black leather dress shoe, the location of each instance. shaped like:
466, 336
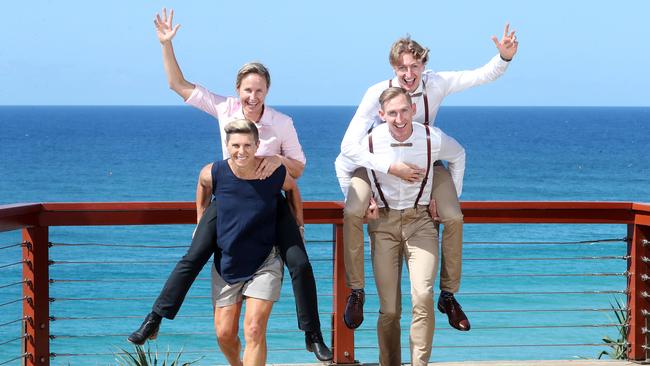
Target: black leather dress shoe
148, 329
353, 314
447, 304
314, 343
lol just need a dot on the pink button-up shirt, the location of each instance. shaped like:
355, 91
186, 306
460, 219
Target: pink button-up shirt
277, 134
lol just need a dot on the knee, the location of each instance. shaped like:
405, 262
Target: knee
390, 314
354, 209
298, 265
254, 332
422, 302
226, 335
454, 220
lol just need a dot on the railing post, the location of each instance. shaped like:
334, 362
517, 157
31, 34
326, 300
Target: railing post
36, 307
638, 297
342, 337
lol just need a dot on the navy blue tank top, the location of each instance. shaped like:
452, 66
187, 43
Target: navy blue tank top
246, 217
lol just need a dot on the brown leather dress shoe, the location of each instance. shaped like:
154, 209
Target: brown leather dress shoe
353, 315
447, 304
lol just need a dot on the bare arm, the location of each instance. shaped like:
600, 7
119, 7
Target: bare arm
293, 196
203, 191
166, 32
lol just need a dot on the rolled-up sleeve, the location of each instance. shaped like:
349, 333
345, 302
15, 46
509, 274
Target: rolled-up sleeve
205, 100
291, 147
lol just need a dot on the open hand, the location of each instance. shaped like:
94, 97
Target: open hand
508, 44
164, 29
407, 171
268, 165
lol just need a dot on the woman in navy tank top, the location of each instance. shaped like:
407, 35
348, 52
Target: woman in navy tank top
246, 237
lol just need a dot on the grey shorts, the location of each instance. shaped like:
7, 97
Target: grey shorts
265, 283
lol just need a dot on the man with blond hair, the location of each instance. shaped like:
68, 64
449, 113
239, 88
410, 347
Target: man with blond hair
428, 89
401, 228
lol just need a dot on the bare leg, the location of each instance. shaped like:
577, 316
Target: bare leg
226, 322
255, 322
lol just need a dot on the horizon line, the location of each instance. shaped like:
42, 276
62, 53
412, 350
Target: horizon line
327, 105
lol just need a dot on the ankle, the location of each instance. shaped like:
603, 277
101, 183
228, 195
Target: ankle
155, 316
446, 294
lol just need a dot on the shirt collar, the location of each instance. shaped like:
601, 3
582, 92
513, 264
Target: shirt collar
265, 120
418, 91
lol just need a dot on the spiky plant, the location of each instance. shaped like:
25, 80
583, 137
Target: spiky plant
618, 347
142, 357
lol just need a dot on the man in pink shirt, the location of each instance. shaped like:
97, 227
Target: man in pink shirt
278, 146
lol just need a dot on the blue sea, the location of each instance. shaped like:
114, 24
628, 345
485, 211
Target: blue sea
79, 154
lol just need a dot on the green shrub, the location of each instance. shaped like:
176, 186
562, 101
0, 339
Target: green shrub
142, 357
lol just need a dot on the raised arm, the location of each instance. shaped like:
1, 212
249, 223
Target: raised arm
455, 81
294, 199
203, 191
166, 31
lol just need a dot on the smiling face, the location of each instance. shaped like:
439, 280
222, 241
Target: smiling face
242, 148
398, 114
252, 91
409, 71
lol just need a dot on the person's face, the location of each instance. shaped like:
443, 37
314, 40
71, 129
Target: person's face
242, 148
409, 71
252, 91
398, 113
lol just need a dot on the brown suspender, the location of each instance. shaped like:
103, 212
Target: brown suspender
374, 176
424, 181
426, 176
424, 97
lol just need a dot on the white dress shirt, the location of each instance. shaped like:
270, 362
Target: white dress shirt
437, 84
401, 194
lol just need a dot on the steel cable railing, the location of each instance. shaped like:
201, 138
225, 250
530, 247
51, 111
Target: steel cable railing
13, 321
24, 355
576, 242
319, 260
509, 345
13, 245
13, 301
12, 264
12, 340
13, 284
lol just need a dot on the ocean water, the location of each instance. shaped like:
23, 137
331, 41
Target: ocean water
69, 154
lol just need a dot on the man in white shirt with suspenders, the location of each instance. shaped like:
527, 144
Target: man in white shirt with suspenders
428, 89
401, 227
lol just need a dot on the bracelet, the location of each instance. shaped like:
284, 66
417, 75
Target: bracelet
506, 60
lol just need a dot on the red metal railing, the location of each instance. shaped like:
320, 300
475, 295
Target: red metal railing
35, 220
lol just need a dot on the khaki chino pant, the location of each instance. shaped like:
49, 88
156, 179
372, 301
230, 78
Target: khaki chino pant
448, 207
396, 236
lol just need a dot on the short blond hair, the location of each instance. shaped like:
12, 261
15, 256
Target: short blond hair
242, 126
253, 68
392, 93
406, 44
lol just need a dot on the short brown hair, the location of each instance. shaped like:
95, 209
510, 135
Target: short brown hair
392, 93
406, 44
242, 126
253, 68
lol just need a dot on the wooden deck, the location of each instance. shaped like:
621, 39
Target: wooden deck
514, 363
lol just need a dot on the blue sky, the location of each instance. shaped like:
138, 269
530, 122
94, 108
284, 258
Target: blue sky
576, 53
